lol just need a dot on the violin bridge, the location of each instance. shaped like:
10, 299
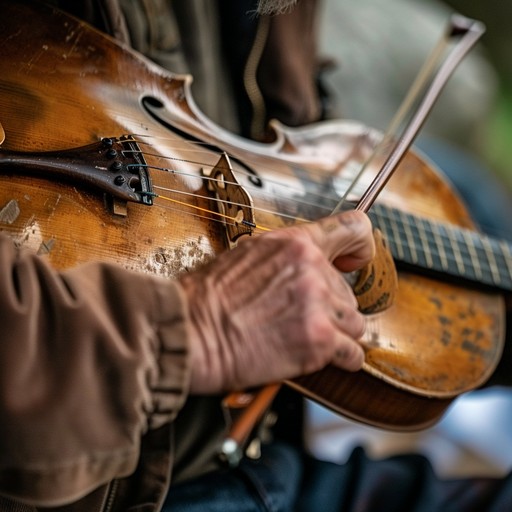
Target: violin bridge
234, 204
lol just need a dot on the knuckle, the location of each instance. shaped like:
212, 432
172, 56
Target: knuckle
311, 286
359, 325
298, 249
319, 329
355, 323
301, 249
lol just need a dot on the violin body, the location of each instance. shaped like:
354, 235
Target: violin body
65, 85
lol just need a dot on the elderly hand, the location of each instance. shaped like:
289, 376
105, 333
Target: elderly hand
277, 306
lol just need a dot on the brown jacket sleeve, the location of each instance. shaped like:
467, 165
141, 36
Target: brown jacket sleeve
90, 359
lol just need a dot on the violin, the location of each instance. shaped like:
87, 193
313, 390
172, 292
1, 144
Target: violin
107, 157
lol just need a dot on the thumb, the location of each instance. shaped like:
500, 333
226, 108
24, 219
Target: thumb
346, 239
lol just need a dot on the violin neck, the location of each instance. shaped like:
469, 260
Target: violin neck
445, 248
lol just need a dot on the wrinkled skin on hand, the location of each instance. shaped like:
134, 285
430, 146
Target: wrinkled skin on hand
277, 306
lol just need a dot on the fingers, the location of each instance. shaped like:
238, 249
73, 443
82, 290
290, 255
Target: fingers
349, 355
333, 339
350, 326
347, 318
345, 239
334, 324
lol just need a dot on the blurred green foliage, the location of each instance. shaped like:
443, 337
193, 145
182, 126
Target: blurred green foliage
497, 42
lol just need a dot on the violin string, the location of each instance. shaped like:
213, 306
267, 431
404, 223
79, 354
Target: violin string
295, 201
322, 209
402, 224
221, 216
181, 146
172, 158
205, 213
339, 181
193, 195
211, 212
414, 232
223, 201
225, 220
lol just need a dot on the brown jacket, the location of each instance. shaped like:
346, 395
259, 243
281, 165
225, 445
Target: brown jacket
92, 359
94, 373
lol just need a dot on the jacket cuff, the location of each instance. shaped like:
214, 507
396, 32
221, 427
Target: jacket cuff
170, 384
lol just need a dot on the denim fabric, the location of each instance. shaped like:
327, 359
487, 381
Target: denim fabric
284, 480
269, 484
404, 483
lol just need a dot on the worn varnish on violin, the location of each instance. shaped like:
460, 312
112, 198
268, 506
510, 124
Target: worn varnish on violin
64, 85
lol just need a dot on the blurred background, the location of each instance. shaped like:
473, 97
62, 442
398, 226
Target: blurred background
378, 47
496, 145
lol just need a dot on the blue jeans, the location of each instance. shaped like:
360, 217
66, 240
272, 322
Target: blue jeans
267, 484
287, 480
